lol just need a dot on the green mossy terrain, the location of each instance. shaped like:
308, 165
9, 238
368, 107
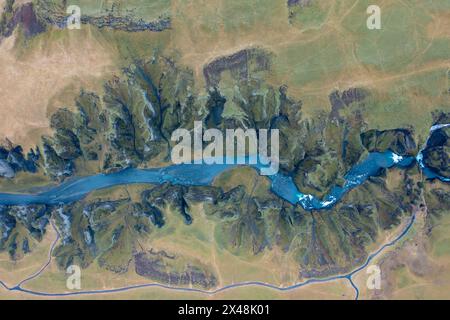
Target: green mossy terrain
129, 124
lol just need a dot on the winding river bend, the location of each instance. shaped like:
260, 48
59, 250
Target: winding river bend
282, 185
204, 174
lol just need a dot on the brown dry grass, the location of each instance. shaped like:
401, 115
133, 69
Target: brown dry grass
439, 26
49, 75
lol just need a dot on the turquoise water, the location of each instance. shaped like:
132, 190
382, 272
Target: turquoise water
203, 175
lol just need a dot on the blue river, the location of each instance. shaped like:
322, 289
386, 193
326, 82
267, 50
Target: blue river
204, 175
